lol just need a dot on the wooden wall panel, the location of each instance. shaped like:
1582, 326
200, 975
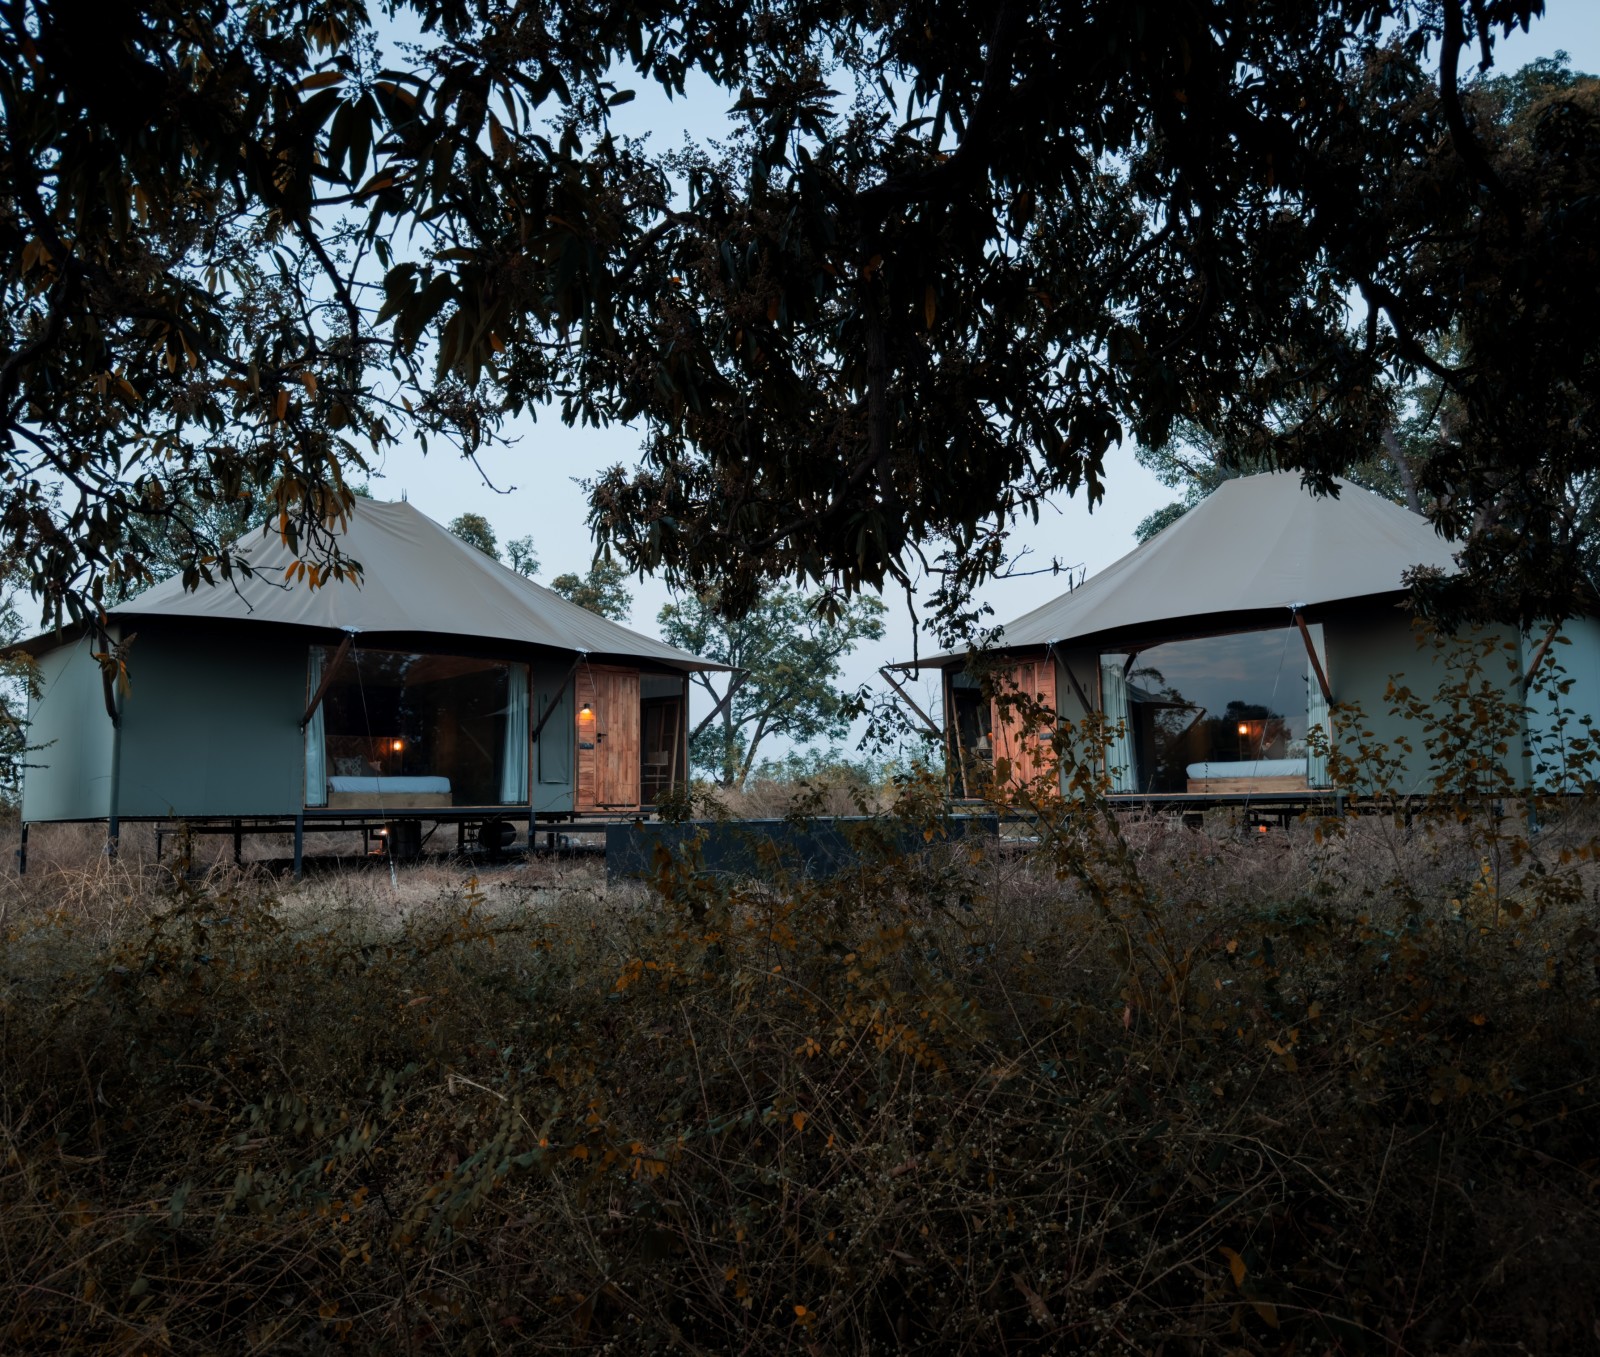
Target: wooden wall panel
608, 740
1029, 754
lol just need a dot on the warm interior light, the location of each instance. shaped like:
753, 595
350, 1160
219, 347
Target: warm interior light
1244, 727
398, 745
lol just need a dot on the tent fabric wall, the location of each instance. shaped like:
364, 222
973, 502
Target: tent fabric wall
1555, 718
554, 765
1364, 650
212, 729
1076, 679
70, 773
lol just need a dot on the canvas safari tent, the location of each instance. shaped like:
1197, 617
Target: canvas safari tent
1215, 648
444, 686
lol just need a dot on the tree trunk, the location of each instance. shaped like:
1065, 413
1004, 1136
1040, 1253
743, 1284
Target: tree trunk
1402, 463
729, 758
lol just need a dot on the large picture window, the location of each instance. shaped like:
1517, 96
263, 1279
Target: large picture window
1214, 709
403, 729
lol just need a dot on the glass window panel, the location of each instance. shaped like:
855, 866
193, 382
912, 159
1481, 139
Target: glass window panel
555, 738
316, 735
1228, 701
444, 726
974, 733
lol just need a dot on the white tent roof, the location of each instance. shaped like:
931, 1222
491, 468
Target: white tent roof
1255, 543
416, 577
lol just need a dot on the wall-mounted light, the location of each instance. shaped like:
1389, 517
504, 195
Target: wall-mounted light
586, 711
397, 745
1244, 727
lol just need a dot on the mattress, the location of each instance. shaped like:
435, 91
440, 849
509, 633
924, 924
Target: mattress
1248, 768
385, 786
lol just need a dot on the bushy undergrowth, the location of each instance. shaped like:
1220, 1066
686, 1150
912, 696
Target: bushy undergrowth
1126, 1088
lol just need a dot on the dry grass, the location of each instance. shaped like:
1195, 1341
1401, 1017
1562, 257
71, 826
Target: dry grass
1329, 1089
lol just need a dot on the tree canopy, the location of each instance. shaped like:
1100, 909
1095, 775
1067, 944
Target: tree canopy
786, 654
601, 589
476, 531
943, 258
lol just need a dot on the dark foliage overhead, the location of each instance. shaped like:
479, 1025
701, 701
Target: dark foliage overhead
945, 256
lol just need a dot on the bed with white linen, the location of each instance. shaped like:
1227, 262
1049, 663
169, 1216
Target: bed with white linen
1248, 775
347, 792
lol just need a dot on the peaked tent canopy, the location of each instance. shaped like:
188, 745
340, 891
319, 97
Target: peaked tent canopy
1256, 544
417, 577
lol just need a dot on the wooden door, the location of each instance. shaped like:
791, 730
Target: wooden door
608, 737
1028, 753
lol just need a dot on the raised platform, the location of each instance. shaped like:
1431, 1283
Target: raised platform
400, 831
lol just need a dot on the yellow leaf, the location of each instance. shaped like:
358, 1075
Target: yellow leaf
929, 305
799, 1120
1235, 1265
280, 407
499, 142
320, 81
309, 381
1267, 1310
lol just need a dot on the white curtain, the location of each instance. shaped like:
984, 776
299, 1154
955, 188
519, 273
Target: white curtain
1316, 719
514, 761
1119, 718
316, 740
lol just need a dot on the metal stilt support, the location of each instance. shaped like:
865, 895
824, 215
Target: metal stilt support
22, 851
299, 846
